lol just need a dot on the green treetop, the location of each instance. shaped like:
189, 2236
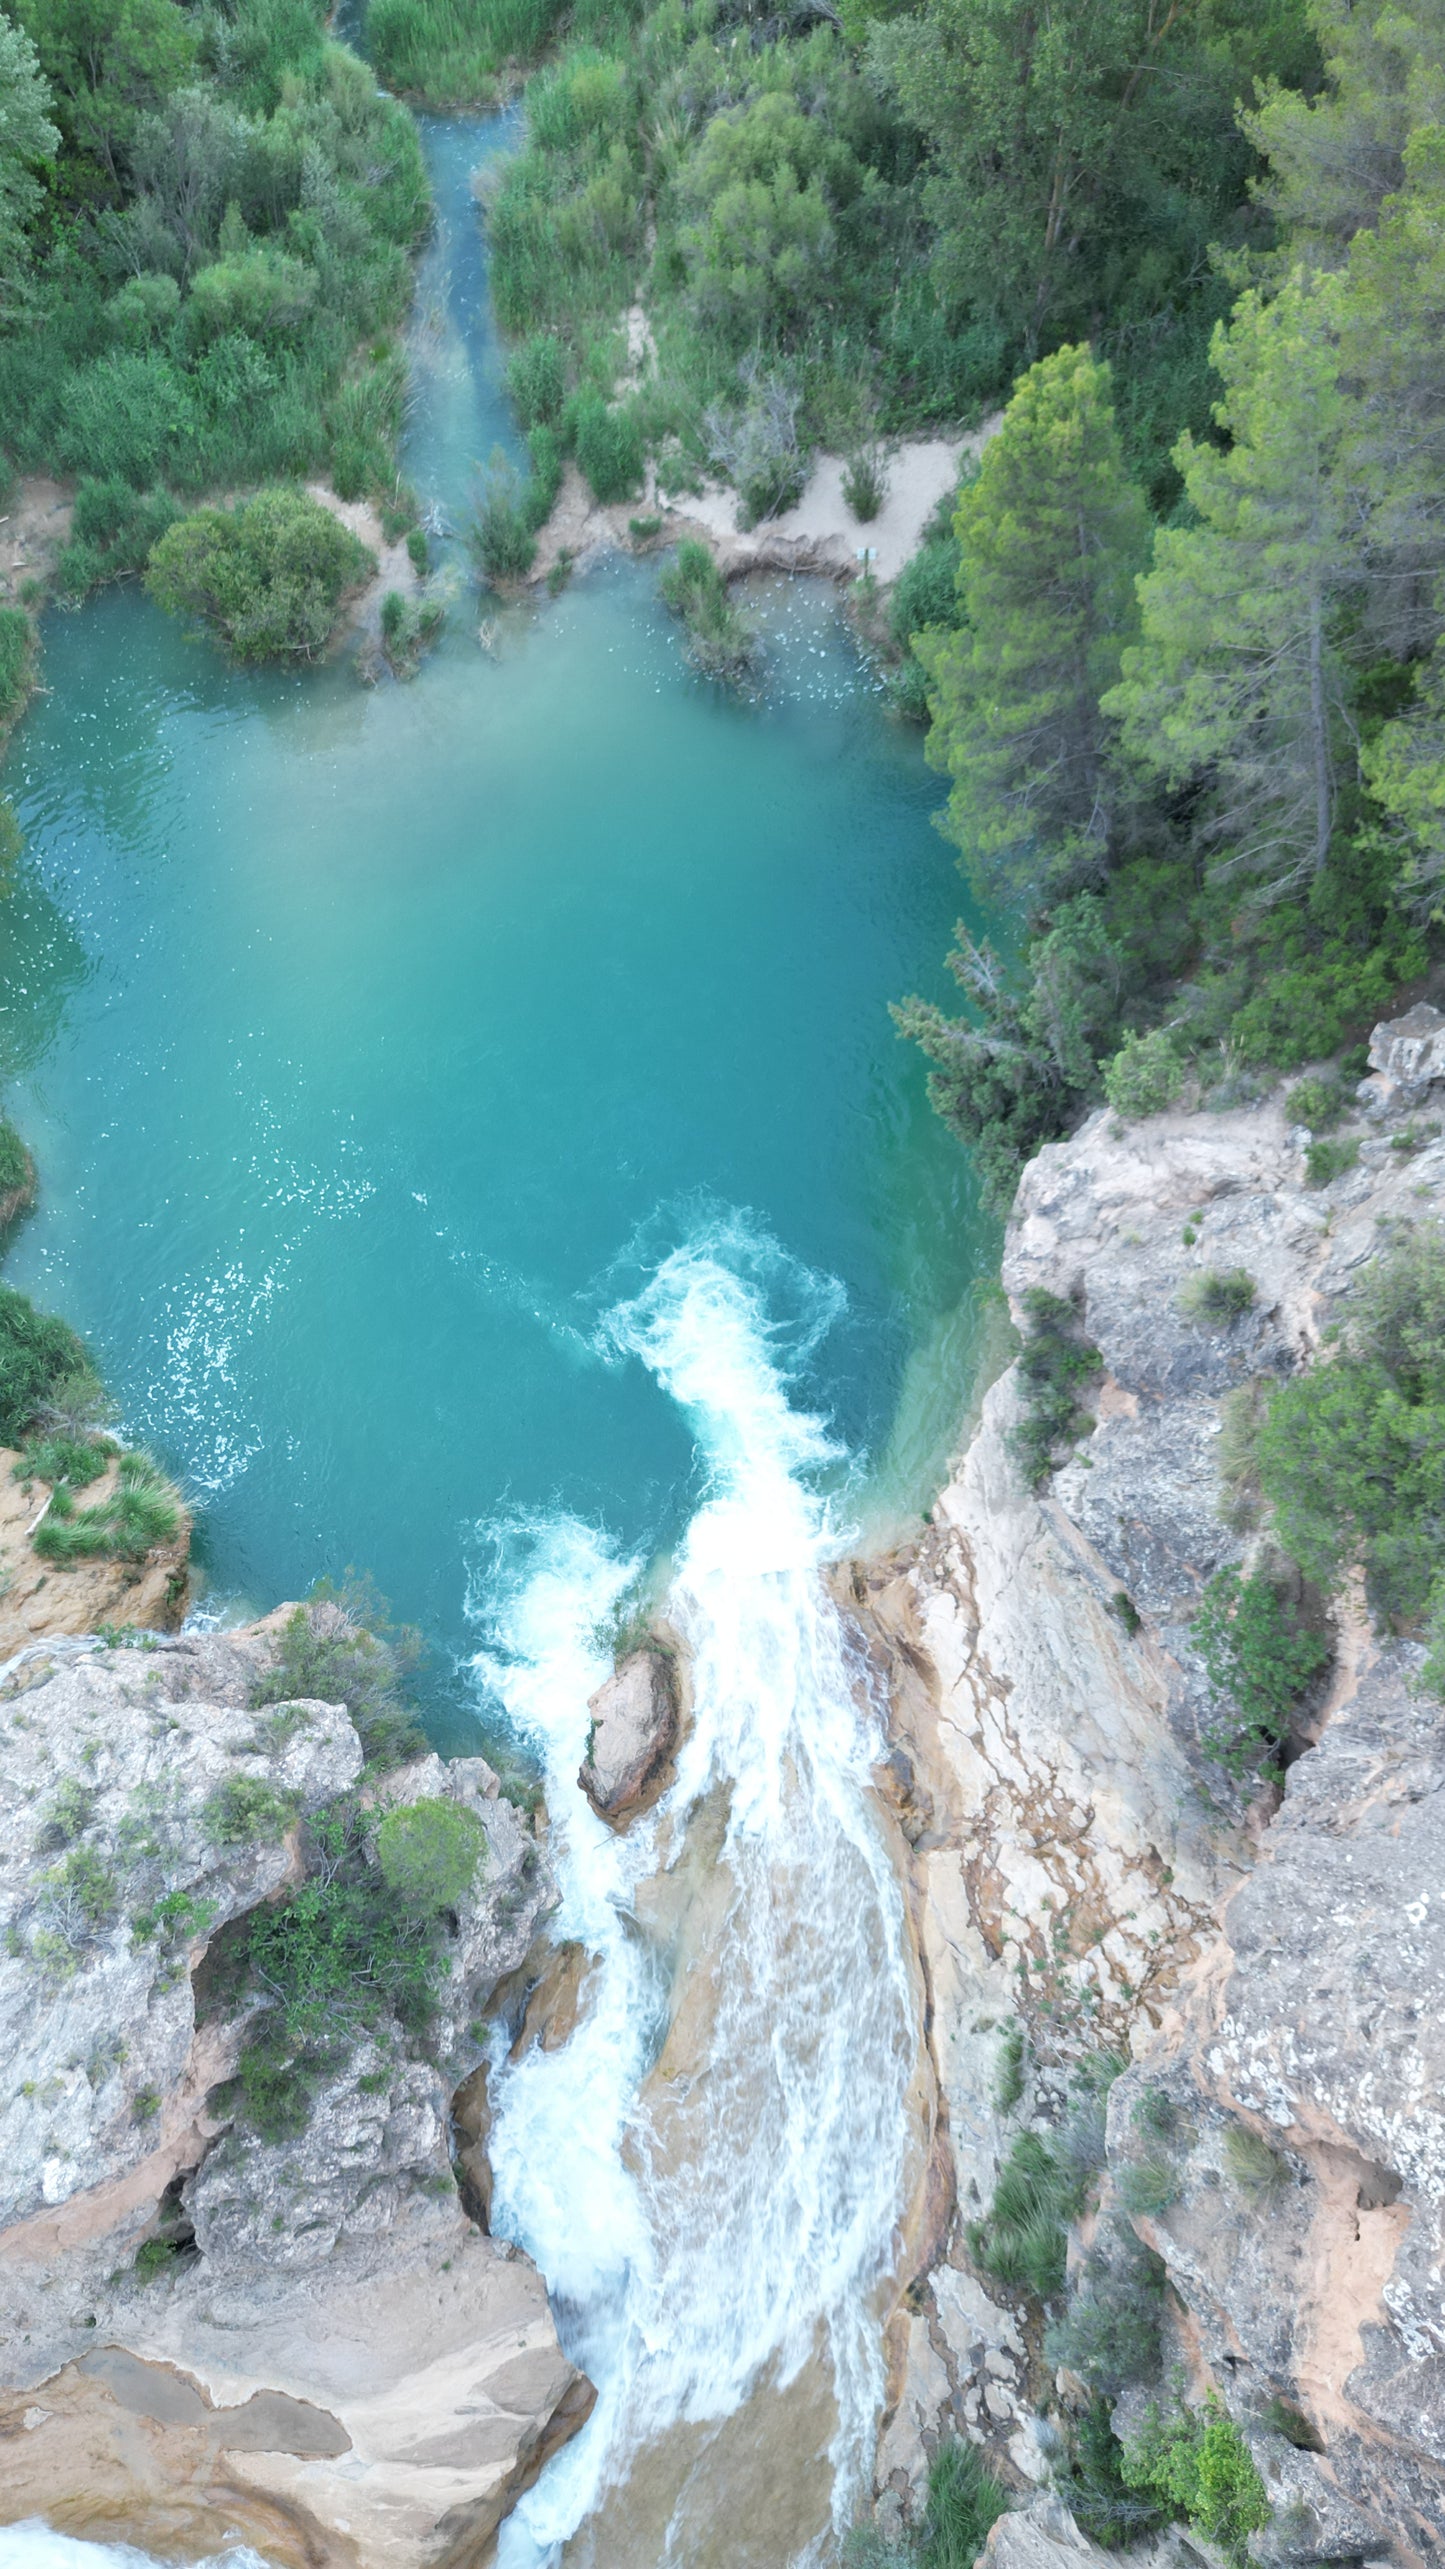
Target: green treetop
1052, 533
28, 142
1234, 680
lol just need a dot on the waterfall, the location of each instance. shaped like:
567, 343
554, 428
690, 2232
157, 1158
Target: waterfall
718, 2219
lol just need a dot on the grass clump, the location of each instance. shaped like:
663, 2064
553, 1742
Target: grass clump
1056, 1362
962, 2504
720, 643
409, 626
865, 482
1023, 2237
1217, 1296
17, 659
1198, 2466
59, 1455
1008, 2077
1253, 2166
339, 1648
265, 578
502, 532
1150, 2186
1261, 1660
142, 1512
1111, 2332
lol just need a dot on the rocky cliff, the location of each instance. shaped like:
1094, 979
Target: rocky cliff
228, 2307
1085, 1876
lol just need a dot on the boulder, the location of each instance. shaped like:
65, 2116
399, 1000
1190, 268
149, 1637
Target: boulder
1407, 1063
634, 1729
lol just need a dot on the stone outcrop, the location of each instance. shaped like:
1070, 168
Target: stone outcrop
1075, 1847
40, 1599
203, 2329
634, 1731
1407, 1064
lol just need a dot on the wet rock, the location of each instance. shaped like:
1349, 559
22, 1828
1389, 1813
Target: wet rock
634, 1728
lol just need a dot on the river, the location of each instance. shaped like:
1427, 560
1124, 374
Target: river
475, 1144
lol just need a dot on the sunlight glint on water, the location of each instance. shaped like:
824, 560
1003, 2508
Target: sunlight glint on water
734, 2221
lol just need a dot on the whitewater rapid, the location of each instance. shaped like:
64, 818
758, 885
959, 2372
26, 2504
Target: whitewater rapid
709, 2171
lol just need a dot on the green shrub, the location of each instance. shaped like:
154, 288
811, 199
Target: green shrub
1199, 2466
963, 2504
153, 2258
1145, 1075
1242, 1414
1154, 2111
431, 1852
17, 646
418, 551
1111, 2332
1216, 1297
17, 1170
339, 1648
1327, 1160
246, 1811
1261, 1662
1317, 1102
76, 1460
1351, 1455
721, 644
113, 532
37, 1355
266, 578
1092, 2485
1056, 1361
608, 442
1022, 2238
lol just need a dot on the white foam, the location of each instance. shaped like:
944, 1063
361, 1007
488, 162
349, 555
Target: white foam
679, 2277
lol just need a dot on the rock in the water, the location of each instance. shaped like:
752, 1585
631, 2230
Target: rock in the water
634, 1727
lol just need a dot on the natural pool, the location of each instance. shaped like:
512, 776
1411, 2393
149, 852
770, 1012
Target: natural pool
375, 1047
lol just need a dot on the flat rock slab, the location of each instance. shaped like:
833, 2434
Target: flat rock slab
634, 1728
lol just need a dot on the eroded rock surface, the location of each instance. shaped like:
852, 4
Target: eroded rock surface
634, 1730
40, 1599
1074, 1849
320, 2349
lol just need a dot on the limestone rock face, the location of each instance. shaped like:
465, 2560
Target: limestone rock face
1407, 1063
330, 2358
1073, 1849
634, 1728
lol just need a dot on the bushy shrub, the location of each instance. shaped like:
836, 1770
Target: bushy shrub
1145, 1075
340, 1648
1056, 1362
266, 578
113, 532
1217, 1296
1261, 1661
1110, 2334
758, 445
247, 1811
37, 1355
431, 1852
1328, 1159
1199, 2466
1319, 1103
17, 1173
1351, 1455
608, 441
1091, 2482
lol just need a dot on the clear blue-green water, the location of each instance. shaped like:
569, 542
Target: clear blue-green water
372, 1041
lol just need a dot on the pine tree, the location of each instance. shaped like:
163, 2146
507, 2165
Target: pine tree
1235, 681
1052, 533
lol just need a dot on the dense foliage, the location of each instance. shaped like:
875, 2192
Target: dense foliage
206, 216
339, 1648
266, 578
1198, 2466
1237, 758
39, 1357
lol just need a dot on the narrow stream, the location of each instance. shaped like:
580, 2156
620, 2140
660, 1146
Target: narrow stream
476, 1145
